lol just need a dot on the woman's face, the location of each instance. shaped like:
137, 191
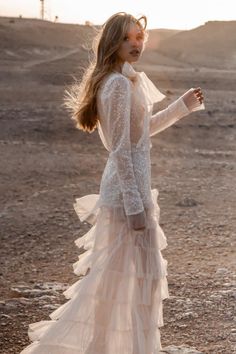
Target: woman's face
132, 44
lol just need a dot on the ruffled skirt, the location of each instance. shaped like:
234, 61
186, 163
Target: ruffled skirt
116, 307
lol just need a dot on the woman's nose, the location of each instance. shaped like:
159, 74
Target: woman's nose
134, 43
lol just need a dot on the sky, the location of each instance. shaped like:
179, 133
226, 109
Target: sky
172, 14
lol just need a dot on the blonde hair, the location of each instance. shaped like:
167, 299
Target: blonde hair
80, 99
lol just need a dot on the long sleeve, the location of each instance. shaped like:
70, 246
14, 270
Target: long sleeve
168, 116
117, 106
175, 111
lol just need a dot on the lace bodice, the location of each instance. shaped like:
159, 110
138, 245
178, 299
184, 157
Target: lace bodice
125, 102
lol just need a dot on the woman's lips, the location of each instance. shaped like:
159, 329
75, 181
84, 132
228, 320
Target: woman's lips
135, 52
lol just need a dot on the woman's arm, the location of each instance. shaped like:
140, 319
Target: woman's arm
117, 106
184, 105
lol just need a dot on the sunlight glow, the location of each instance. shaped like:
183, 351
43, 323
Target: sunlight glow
182, 14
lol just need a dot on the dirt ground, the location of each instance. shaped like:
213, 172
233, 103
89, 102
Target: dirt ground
46, 163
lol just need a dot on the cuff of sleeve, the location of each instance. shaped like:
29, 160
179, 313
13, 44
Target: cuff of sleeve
184, 110
199, 107
194, 104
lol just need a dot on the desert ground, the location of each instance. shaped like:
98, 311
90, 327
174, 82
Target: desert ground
46, 163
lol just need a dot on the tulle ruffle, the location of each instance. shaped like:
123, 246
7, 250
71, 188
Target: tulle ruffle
116, 307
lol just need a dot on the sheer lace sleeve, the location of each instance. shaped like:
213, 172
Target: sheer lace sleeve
117, 106
176, 110
168, 116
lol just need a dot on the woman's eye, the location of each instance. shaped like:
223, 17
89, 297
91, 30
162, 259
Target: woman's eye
140, 38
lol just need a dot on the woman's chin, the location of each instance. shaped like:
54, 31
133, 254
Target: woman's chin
133, 59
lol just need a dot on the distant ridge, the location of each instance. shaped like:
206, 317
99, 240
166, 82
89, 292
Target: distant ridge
17, 33
210, 45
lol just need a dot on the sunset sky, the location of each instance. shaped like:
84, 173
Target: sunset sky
181, 14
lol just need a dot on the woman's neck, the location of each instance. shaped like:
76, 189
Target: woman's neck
118, 67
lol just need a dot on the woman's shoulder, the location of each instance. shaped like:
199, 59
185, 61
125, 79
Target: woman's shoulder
114, 81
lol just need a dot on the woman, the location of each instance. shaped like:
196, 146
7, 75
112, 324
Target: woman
117, 306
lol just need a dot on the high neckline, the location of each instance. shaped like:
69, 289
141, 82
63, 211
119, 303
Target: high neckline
128, 70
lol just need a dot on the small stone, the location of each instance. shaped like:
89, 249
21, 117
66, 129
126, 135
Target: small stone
227, 284
187, 202
181, 325
232, 337
172, 349
49, 306
5, 316
187, 315
215, 297
222, 271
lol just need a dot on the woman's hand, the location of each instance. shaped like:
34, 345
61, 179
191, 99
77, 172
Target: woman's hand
137, 221
193, 98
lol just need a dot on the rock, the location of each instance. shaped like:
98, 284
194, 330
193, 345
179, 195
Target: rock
232, 337
222, 271
226, 292
50, 306
187, 202
12, 304
215, 297
227, 284
186, 315
179, 325
24, 300
39, 289
46, 298
3, 315
172, 349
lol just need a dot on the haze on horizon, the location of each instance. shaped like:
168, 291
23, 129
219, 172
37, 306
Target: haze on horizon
183, 14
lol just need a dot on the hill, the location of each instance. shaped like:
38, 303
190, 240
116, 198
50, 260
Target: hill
210, 45
36, 42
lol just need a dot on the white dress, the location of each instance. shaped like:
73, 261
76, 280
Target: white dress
116, 307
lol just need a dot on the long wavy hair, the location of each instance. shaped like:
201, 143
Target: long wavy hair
80, 98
